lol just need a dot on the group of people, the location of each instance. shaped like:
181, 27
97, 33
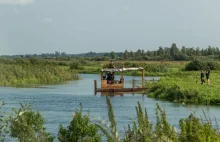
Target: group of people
207, 74
110, 76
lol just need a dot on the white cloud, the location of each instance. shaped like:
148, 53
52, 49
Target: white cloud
18, 2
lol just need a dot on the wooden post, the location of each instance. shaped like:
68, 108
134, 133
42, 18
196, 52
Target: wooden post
95, 87
132, 84
142, 78
101, 76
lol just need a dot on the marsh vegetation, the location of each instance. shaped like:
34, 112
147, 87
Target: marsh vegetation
20, 72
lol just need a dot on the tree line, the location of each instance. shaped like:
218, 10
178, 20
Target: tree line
162, 53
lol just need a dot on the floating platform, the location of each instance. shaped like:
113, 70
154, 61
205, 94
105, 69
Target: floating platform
120, 90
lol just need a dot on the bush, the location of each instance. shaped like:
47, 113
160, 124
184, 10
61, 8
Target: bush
199, 65
79, 130
27, 126
195, 65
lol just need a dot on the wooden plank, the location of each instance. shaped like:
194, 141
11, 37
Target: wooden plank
95, 86
121, 90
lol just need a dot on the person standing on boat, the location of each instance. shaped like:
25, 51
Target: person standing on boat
111, 65
207, 74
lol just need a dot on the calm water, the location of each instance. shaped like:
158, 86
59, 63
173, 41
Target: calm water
57, 103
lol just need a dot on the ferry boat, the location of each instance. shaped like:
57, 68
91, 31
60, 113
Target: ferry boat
110, 84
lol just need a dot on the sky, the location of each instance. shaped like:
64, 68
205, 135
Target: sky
81, 26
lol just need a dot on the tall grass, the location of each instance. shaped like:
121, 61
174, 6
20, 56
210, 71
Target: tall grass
20, 74
192, 129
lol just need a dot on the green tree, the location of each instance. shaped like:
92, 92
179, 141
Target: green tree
113, 55
138, 53
126, 55
173, 51
183, 50
160, 51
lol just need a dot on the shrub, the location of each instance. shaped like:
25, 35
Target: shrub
200, 64
79, 130
27, 126
195, 65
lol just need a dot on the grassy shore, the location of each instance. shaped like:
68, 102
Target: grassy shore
186, 86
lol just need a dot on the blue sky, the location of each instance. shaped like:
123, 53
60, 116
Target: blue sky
79, 26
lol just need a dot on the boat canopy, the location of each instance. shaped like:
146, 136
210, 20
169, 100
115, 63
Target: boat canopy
120, 69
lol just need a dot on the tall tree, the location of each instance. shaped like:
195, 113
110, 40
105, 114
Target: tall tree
113, 55
173, 51
160, 51
183, 50
126, 55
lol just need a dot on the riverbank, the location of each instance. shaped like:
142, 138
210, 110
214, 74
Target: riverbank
186, 87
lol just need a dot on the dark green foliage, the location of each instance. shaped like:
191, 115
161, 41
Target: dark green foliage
79, 130
27, 126
195, 65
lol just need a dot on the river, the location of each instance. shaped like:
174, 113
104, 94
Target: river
58, 102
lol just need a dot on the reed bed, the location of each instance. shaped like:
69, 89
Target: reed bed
21, 74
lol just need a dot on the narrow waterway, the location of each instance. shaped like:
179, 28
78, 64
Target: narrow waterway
57, 103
